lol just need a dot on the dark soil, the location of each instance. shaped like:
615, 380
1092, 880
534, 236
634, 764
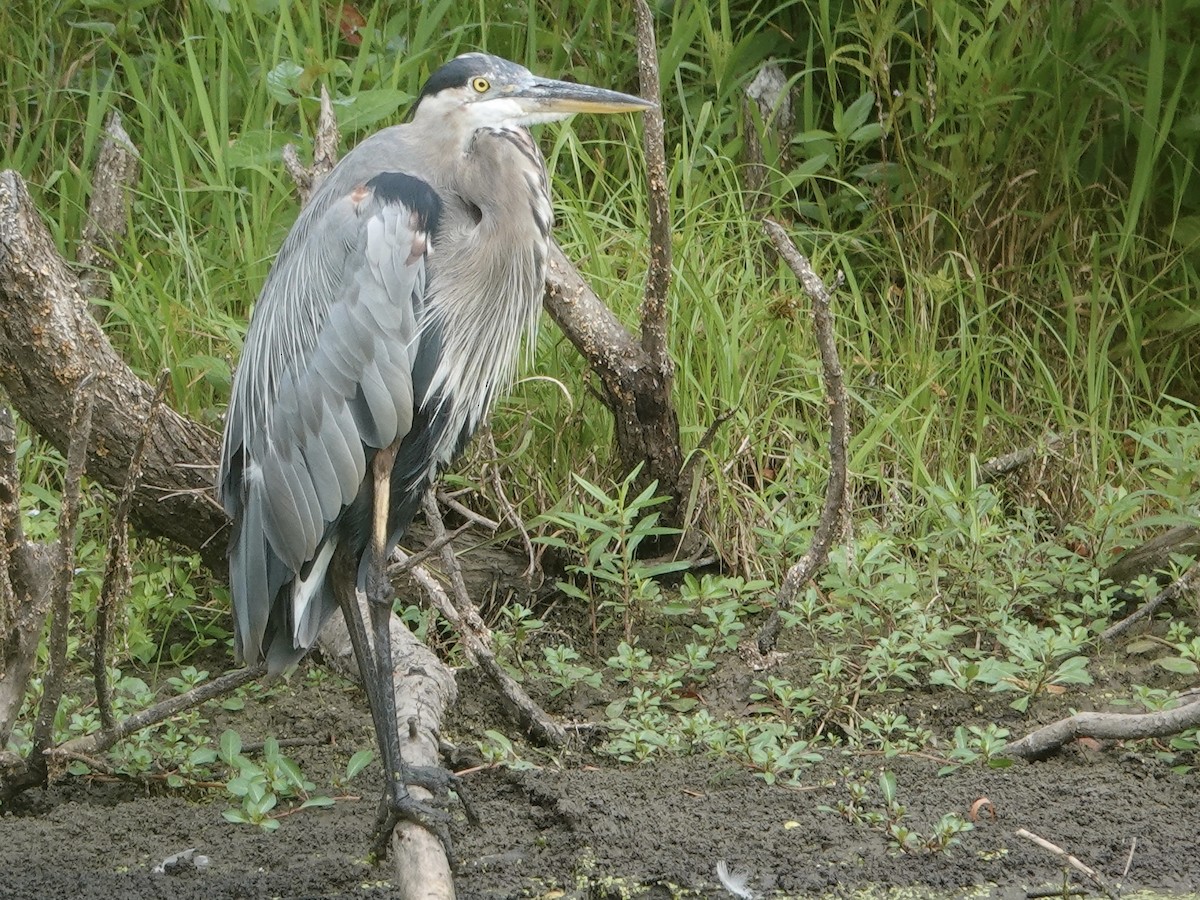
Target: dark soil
595, 829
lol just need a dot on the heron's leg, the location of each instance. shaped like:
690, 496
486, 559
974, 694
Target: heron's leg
397, 804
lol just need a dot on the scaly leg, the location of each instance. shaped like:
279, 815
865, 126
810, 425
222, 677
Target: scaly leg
375, 664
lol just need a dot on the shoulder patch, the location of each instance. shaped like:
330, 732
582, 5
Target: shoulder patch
412, 192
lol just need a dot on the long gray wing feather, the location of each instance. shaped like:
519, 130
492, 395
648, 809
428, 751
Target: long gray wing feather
325, 378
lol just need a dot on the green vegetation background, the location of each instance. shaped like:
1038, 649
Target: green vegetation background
1010, 189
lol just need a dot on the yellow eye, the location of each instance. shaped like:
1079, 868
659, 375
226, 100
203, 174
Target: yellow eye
480, 85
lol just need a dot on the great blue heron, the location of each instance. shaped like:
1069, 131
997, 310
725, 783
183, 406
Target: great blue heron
389, 322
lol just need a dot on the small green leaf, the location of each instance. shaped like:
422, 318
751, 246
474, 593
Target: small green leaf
358, 762
887, 786
231, 745
1178, 665
316, 801
368, 107
282, 82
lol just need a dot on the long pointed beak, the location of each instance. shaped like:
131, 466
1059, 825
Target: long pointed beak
565, 98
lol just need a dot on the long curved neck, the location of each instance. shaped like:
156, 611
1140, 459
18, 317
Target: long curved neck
487, 268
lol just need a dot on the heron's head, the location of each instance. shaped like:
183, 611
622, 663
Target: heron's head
476, 90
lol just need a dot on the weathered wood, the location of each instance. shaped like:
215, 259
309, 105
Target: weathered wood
49, 341
644, 415
766, 114
26, 576
636, 376
425, 689
834, 512
1153, 558
115, 175
1047, 741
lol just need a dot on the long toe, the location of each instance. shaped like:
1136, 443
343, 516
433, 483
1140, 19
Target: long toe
396, 807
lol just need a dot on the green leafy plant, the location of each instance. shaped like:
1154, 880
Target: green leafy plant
606, 532
878, 807
975, 744
259, 788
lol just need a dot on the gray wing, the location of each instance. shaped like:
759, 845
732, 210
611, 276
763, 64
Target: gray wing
326, 378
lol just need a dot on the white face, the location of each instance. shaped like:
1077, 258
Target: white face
475, 106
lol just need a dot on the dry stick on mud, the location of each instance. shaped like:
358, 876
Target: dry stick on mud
117, 575
1047, 741
833, 512
1089, 873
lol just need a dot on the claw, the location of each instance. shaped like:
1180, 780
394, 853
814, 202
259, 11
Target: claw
398, 805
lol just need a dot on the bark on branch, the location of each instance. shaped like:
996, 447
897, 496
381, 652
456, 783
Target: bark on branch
49, 341
636, 377
114, 177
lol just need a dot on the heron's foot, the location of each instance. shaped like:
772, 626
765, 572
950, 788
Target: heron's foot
398, 805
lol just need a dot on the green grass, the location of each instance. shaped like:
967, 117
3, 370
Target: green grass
1010, 191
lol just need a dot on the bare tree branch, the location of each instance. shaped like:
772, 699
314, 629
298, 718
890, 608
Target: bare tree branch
48, 341
101, 740
1154, 557
658, 278
462, 614
117, 576
1187, 582
26, 578
64, 576
834, 511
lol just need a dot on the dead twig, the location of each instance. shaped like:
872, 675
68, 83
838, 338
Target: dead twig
467, 513
64, 576
117, 575
834, 511
1089, 873
510, 511
1129, 859
159, 712
435, 546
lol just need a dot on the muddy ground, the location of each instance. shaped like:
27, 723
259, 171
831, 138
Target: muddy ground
584, 826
